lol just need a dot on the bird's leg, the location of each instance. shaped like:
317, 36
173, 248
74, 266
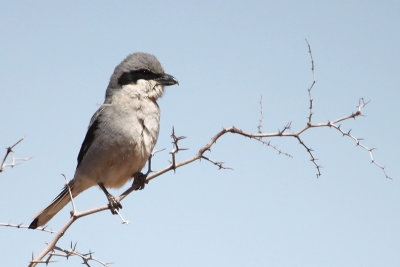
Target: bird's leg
113, 203
139, 179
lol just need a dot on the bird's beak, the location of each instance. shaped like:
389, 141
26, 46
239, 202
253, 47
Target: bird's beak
166, 79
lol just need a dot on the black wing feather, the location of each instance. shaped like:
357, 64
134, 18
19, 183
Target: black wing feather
89, 138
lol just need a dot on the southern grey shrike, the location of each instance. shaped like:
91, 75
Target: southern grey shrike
121, 135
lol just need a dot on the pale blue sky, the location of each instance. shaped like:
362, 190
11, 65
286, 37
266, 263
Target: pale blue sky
270, 210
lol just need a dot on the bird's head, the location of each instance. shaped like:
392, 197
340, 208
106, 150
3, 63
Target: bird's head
140, 73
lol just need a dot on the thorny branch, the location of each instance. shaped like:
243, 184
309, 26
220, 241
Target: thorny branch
260, 121
43, 229
14, 159
312, 84
176, 149
219, 164
259, 128
259, 136
66, 253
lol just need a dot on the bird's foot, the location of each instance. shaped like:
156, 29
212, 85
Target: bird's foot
114, 204
139, 180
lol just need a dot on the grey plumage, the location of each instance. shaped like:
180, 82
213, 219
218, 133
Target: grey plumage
122, 133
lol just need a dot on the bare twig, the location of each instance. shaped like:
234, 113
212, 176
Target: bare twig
14, 159
122, 218
43, 229
312, 158
259, 128
362, 104
312, 84
220, 165
70, 193
260, 121
268, 143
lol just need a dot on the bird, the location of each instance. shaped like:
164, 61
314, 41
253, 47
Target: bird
121, 135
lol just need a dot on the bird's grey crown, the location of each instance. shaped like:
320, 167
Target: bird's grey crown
134, 62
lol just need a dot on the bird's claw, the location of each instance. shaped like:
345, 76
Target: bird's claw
113, 204
139, 180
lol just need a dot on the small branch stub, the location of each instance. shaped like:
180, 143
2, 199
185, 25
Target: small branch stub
14, 160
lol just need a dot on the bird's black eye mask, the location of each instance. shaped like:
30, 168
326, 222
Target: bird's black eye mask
133, 76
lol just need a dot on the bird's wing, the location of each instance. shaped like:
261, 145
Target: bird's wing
90, 136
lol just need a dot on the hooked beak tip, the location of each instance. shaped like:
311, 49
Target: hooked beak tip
167, 79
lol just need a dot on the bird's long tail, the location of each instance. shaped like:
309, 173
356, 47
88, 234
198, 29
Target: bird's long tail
58, 203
